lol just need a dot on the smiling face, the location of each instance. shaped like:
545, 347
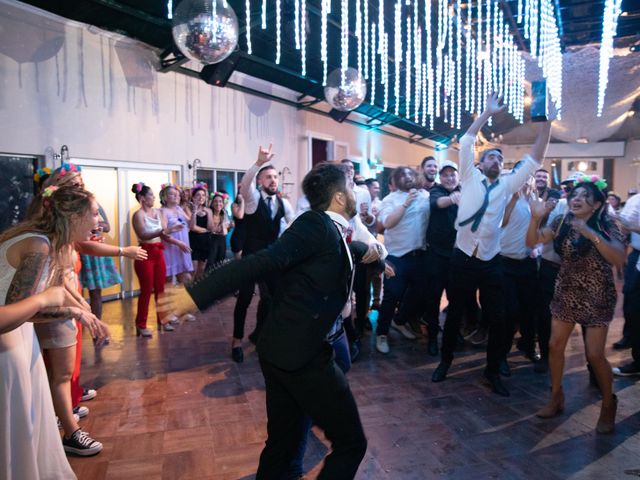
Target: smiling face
148, 199
217, 204
449, 178
405, 180
83, 225
199, 198
582, 202
542, 180
172, 197
430, 169
374, 190
268, 180
491, 163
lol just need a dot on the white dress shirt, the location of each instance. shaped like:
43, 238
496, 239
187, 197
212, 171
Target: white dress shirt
513, 237
630, 215
252, 197
485, 241
410, 232
548, 251
363, 196
343, 226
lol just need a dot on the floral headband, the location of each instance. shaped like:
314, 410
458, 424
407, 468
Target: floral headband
225, 196
46, 195
169, 185
139, 186
62, 170
41, 172
600, 183
202, 185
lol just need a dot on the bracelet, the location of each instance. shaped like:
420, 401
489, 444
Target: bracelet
596, 239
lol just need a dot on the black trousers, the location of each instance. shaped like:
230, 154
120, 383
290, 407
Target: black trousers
466, 275
631, 303
520, 277
217, 250
547, 275
245, 295
437, 273
320, 391
362, 291
405, 290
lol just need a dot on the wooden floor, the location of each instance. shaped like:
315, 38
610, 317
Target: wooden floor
176, 407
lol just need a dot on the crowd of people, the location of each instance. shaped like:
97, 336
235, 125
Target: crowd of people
512, 255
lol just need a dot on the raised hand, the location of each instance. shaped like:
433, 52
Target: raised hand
264, 156
413, 194
494, 104
539, 208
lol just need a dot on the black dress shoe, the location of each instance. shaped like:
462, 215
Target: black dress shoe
440, 373
432, 347
237, 355
505, 369
496, 384
622, 344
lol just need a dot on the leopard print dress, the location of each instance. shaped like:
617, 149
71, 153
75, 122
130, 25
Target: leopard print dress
585, 292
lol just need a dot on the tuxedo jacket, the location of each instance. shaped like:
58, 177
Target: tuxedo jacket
311, 264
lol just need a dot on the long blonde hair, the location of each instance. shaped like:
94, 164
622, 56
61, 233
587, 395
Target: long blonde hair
53, 217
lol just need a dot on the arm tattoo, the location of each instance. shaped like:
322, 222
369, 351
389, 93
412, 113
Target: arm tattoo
29, 276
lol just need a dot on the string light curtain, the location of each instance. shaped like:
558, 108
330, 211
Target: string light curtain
427, 59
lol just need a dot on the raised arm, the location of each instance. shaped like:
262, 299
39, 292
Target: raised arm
237, 207
535, 234
248, 183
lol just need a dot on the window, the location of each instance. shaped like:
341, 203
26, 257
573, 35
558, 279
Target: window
17, 187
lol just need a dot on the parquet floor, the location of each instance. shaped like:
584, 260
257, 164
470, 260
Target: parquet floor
176, 407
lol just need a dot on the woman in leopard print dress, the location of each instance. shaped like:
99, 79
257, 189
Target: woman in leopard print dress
589, 243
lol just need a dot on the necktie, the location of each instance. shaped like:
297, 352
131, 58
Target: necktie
477, 217
270, 207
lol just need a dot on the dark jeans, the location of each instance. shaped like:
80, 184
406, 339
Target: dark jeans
245, 295
466, 275
320, 391
520, 278
362, 290
217, 250
407, 286
547, 275
631, 303
437, 280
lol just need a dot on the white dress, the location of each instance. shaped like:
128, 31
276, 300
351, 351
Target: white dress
30, 445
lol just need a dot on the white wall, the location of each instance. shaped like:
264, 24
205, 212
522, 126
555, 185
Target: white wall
99, 94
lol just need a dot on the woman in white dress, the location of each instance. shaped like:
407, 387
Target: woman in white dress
30, 447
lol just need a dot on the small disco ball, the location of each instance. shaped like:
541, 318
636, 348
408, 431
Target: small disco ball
345, 92
205, 30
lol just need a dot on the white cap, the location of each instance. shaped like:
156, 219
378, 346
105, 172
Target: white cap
574, 177
447, 163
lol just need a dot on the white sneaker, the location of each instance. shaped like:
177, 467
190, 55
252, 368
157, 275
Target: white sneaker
88, 394
75, 416
381, 344
404, 330
187, 317
81, 411
173, 319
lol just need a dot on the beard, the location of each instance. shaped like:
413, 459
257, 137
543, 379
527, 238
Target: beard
270, 189
430, 177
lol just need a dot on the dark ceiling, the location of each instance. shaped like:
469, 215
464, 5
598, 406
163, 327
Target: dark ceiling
146, 20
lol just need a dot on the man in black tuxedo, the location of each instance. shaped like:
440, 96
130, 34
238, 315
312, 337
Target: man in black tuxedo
314, 269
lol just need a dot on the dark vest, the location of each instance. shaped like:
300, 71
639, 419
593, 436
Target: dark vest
262, 230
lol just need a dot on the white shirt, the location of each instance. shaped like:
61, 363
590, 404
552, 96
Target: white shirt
344, 227
302, 205
630, 215
252, 195
548, 252
513, 237
363, 196
411, 231
357, 229
485, 241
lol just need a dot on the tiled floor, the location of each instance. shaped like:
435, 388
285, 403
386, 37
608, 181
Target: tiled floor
177, 407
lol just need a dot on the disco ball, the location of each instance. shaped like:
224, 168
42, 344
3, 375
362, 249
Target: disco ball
345, 93
205, 30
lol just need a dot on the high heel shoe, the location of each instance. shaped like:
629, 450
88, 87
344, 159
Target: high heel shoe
167, 327
143, 332
554, 407
607, 420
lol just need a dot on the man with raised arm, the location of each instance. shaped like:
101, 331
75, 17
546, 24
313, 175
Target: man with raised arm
475, 263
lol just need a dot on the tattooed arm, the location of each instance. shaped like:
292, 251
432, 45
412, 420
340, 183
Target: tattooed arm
23, 310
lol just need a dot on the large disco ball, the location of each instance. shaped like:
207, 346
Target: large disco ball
205, 30
345, 93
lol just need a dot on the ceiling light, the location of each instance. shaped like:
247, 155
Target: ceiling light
609, 26
624, 14
582, 140
583, 166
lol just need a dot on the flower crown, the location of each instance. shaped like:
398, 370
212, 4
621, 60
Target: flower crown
169, 185
225, 196
41, 172
200, 185
139, 186
46, 195
62, 170
600, 183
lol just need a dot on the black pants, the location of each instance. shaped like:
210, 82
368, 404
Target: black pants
245, 295
631, 303
362, 291
217, 250
466, 275
320, 391
547, 275
407, 286
519, 298
437, 280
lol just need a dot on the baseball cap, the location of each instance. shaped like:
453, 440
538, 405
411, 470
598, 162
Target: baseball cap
573, 178
447, 163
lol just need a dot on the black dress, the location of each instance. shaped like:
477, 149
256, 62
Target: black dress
200, 242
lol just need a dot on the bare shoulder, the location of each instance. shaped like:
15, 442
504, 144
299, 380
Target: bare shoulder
30, 246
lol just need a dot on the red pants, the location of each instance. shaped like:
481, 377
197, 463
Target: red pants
76, 389
151, 274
